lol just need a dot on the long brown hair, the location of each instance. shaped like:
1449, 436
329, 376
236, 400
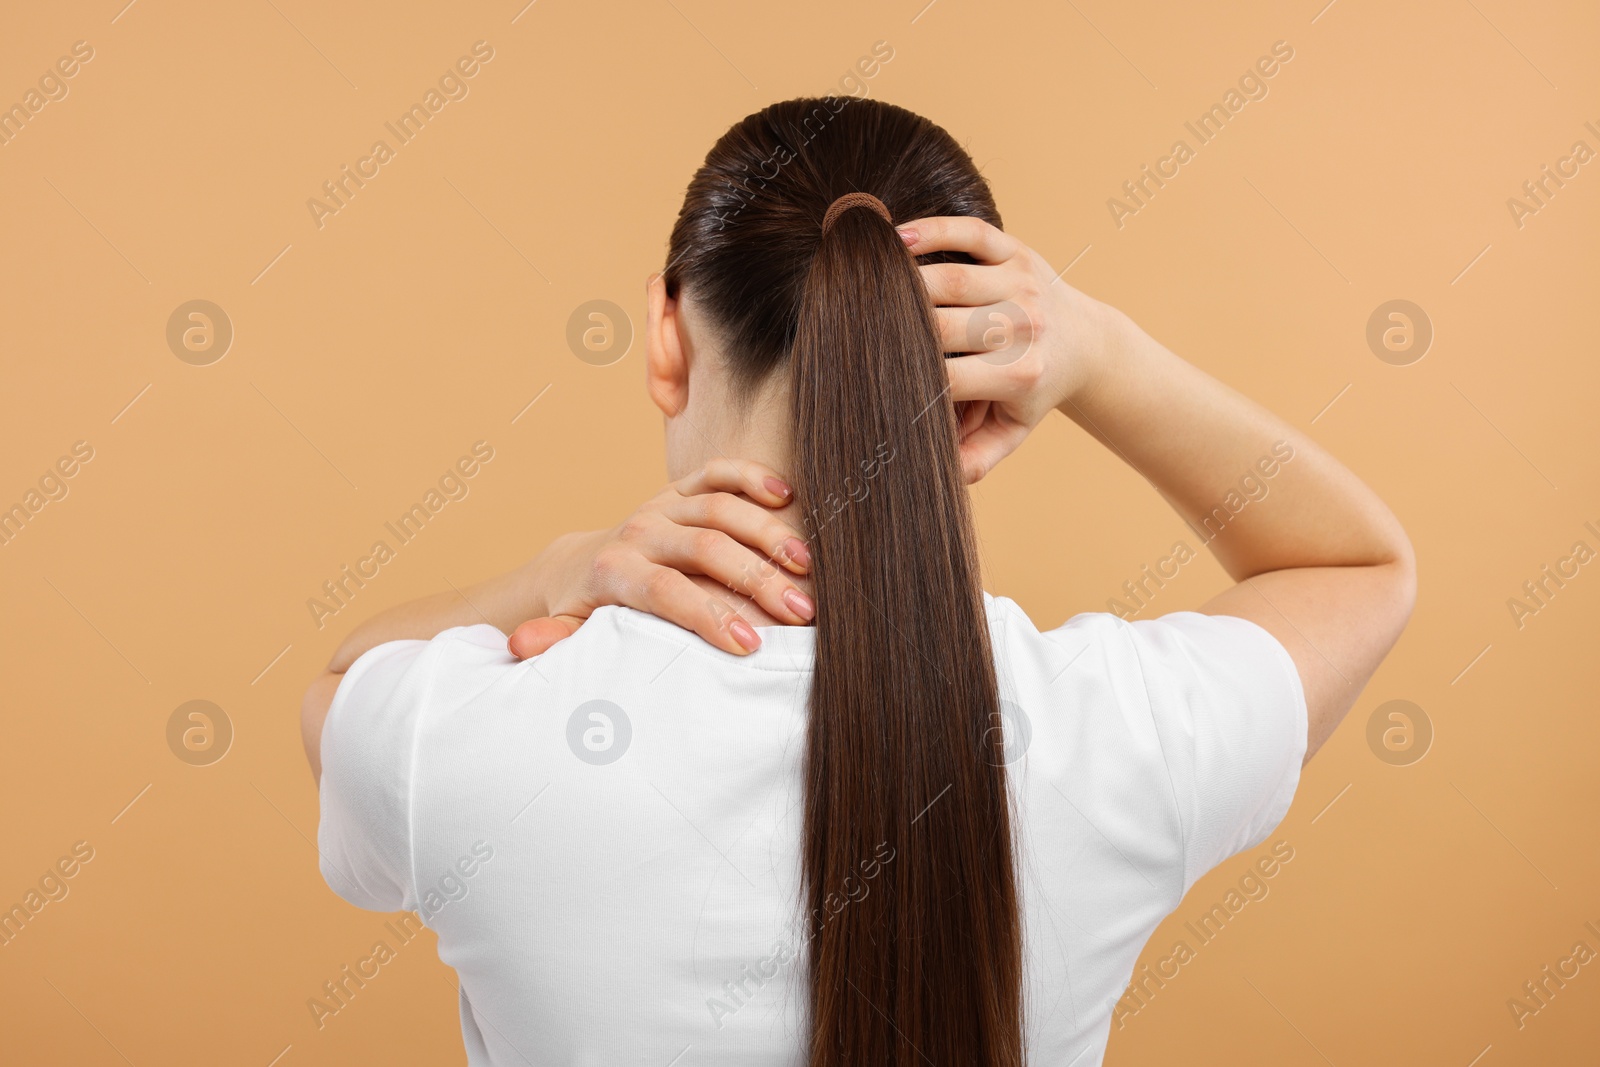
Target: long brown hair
915, 952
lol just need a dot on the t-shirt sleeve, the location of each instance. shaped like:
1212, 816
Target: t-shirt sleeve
364, 838
1230, 715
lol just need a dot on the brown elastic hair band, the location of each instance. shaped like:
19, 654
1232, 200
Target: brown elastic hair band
850, 200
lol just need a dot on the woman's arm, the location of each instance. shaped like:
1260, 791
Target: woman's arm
719, 522
1319, 560
1321, 563
504, 602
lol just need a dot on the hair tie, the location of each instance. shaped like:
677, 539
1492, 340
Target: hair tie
850, 200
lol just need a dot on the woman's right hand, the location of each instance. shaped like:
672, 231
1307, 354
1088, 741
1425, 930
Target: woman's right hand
720, 522
1034, 339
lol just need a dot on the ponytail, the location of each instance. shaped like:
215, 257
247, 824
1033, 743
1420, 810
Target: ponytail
915, 950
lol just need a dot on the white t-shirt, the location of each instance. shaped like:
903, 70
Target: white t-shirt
605, 839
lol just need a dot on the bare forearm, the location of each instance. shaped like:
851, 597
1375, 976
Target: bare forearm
1259, 493
429, 616
1321, 562
504, 601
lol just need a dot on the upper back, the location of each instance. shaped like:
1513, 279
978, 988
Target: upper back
606, 838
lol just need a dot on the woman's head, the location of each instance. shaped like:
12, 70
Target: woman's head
725, 311
824, 336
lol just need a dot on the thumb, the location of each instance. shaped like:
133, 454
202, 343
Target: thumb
538, 635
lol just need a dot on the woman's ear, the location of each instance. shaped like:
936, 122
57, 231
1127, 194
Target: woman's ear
666, 359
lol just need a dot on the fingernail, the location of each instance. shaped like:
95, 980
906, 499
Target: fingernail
796, 550
910, 237
743, 634
799, 603
775, 486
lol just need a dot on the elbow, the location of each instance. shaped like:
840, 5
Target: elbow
345, 655
1409, 583
1403, 593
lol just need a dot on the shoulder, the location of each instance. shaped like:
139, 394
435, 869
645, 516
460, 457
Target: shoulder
1209, 705
397, 677
1180, 647
1091, 659
1230, 710
368, 748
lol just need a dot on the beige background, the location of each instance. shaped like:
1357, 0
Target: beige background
430, 311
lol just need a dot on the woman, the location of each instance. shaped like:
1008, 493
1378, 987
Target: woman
870, 814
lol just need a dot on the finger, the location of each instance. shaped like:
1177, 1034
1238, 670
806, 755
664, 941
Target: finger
667, 594
970, 416
698, 550
959, 233
755, 480
748, 523
983, 450
966, 285
982, 378
537, 635
991, 328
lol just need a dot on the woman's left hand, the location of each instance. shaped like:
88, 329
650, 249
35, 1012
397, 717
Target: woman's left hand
1030, 335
